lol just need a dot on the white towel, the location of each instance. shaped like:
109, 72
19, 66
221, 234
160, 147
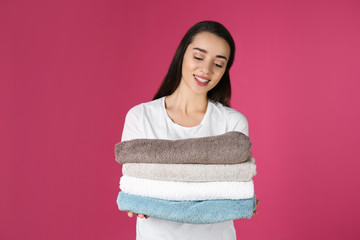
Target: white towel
240, 172
186, 191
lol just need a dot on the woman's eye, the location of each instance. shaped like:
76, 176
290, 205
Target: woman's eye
218, 65
197, 58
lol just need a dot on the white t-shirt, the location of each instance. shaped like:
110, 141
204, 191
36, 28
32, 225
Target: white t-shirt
150, 120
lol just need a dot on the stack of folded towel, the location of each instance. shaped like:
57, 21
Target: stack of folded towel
195, 180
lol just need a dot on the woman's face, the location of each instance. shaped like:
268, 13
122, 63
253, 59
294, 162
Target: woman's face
204, 62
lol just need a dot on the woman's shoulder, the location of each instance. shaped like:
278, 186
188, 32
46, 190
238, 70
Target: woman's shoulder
136, 119
236, 120
145, 107
229, 112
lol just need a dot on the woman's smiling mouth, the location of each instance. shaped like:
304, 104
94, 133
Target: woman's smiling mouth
201, 80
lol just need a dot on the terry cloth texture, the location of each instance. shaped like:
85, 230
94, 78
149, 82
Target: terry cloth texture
228, 148
186, 191
196, 212
240, 172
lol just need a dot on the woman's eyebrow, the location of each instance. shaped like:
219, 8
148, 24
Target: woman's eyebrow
204, 51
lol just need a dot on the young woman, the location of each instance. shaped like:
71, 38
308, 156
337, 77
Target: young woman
192, 101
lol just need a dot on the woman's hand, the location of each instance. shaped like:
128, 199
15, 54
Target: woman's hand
257, 202
131, 214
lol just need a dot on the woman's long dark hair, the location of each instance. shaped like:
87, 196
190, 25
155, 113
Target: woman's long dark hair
222, 91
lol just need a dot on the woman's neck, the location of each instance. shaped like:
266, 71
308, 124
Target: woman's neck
186, 103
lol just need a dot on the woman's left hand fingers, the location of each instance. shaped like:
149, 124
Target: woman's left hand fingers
257, 202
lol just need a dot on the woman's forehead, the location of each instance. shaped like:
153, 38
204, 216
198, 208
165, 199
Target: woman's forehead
211, 43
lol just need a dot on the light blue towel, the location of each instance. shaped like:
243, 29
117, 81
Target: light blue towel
196, 212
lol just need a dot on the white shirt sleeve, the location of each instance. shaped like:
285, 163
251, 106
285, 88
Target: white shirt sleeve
239, 122
133, 124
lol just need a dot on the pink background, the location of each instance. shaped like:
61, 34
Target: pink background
70, 70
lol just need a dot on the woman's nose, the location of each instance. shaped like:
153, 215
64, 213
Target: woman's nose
206, 67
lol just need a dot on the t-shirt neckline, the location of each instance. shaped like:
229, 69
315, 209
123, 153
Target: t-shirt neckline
180, 126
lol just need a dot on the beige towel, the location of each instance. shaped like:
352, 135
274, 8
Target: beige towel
240, 172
